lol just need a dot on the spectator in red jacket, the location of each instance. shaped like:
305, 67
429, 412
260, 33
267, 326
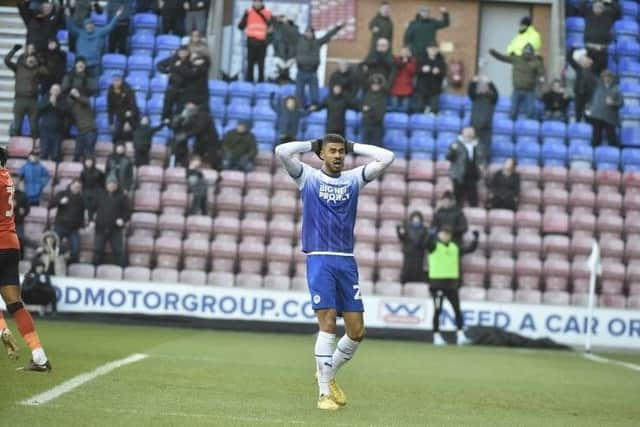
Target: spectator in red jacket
402, 88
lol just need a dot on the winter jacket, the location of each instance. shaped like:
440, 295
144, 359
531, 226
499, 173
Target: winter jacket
239, 145
52, 255
203, 129
119, 103
377, 107
284, 39
193, 5
505, 186
85, 84
585, 81
336, 111
128, 9
452, 217
308, 50
413, 239
288, 120
380, 63
109, 208
120, 166
92, 179
421, 33
53, 118
196, 84
526, 70
90, 45
530, 36
40, 29
403, 82
597, 28
462, 168
142, 136
429, 83
598, 107
348, 80
70, 215
55, 61
21, 207
555, 102
385, 29
27, 78
36, 177
82, 113
483, 105
176, 69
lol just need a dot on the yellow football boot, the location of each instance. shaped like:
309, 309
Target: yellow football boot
327, 403
338, 394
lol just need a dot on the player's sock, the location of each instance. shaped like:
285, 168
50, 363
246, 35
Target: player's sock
28, 331
324, 354
345, 349
3, 323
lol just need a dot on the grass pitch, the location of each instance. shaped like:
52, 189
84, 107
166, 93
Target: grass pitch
213, 378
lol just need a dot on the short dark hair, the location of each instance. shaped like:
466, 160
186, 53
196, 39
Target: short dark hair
334, 138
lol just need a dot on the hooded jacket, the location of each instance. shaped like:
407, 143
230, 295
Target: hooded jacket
90, 45
40, 28
70, 215
119, 103
483, 105
92, 179
239, 145
421, 32
526, 69
452, 217
429, 83
110, 207
55, 61
598, 107
308, 49
27, 78
377, 103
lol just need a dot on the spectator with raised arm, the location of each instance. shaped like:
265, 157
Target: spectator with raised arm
35, 176
484, 97
176, 67
599, 17
53, 113
431, 71
585, 81
527, 34
80, 86
121, 11
381, 26
422, 31
55, 61
42, 21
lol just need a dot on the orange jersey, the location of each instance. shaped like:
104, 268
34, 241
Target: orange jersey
8, 236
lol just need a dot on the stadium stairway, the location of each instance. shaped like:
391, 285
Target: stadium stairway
12, 31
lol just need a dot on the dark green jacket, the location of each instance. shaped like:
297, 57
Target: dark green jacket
377, 103
308, 50
385, 29
422, 32
525, 71
239, 145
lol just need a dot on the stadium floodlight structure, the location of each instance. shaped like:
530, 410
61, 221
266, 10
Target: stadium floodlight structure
595, 269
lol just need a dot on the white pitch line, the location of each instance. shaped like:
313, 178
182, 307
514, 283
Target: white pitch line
605, 360
77, 381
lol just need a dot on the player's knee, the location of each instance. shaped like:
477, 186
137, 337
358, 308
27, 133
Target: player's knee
14, 307
357, 334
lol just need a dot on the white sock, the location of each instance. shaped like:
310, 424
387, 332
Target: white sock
345, 349
38, 356
324, 353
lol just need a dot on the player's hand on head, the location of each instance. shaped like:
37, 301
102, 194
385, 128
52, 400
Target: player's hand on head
316, 145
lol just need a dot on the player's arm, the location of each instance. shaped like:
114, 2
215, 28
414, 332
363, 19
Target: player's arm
286, 153
382, 160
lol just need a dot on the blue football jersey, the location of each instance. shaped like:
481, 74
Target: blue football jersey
329, 209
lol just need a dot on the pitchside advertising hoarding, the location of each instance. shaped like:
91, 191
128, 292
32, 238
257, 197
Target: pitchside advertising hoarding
565, 324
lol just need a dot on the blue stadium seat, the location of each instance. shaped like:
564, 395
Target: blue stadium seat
239, 110
63, 37
240, 89
264, 90
264, 135
287, 90
527, 127
631, 93
554, 154
313, 131
442, 146
352, 134
264, 113
579, 130
104, 81
167, 43
630, 159
628, 68
217, 106
145, 21
503, 105
100, 104
159, 139
422, 122
527, 153
554, 129
396, 121
452, 102
142, 44
141, 102
397, 141
114, 61
138, 83
502, 126
353, 119
630, 115
159, 83
422, 142
317, 118
102, 122
630, 136
448, 123
218, 88
627, 49
71, 59
140, 63
501, 150
155, 103
580, 151
574, 24
629, 9
99, 19
626, 27
574, 40
607, 158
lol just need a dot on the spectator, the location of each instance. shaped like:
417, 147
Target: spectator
197, 44
80, 86
172, 13
28, 74
21, 209
52, 254
42, 22
603, 109
599, 18
527, 34
55, 62
112, 214
120, 11
347, 77
402, 88
35, 176
177, 67
255, 23
37, 288
239, 148
464, 170
285, 37
308, 61
484, 97
337, 104
81, 10
53, 113
527, 71
504, 187
196, 85
413, 235
380, 61
585, 81
90, 41
444, 279
196, 15
556, 100
450, 215
374, 107
381, 26
197, 187
122, 109
121, 167
431, 72
92, 180
421, 32
69, 216
289, 115
142, 138
195, 122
